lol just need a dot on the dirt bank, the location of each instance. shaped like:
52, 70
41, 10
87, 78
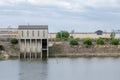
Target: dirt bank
64, 49
9, 50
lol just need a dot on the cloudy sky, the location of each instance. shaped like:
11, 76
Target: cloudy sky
78, 15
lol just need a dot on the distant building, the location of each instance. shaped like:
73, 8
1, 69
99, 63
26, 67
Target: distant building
8, 33
99, 32
116, 34
33, 41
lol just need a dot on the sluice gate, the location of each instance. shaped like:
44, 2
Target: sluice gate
33, 41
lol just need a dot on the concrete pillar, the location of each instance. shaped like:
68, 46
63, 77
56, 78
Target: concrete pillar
30, 49
36, 48
41, 48
25, 48
47, 48
47, 43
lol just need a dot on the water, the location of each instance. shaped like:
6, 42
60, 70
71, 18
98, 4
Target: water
61, 69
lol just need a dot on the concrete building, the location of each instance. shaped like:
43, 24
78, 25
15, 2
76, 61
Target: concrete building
116, 33
99, 32
33, 40
8, 33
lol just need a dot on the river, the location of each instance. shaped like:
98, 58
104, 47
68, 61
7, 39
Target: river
61, 69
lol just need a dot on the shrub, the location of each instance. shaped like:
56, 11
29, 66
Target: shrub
14, 41
114, 41
73, 42
78, 39
100, 41
88, 41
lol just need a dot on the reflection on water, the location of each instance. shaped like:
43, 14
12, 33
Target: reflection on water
33, 70
61, 69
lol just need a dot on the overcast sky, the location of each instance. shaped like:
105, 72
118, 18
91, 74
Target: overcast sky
78, 15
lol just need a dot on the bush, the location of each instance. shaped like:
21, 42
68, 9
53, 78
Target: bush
114, 41
78, 39
88, 41
14, 41
73, 42
100, 41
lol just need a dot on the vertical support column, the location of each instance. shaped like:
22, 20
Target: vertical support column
47, 47
47, 44
30, 48
41, 48
35, 48
25, 49
38, 43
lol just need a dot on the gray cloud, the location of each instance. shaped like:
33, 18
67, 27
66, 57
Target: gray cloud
81, 15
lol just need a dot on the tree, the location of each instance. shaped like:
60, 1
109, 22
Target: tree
63, 35
100, 41
14, 41
114, 41
73, 42
88, 41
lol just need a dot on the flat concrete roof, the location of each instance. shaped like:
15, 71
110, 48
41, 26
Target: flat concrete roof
33, 27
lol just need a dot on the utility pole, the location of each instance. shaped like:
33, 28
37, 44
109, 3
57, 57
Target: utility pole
72, 32
61, 35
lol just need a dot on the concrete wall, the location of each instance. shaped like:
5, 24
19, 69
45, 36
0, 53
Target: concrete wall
117, 35
33, 34
82, 35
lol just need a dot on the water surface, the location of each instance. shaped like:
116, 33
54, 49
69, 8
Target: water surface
61, 69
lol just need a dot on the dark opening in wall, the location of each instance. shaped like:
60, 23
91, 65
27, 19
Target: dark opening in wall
44, 43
